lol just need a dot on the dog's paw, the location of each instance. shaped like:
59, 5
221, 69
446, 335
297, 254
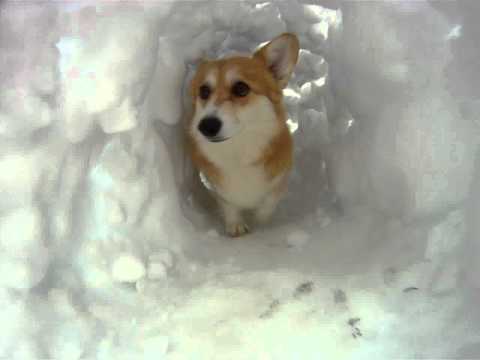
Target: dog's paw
237, 229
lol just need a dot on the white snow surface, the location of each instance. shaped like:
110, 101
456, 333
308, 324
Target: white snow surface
108, 251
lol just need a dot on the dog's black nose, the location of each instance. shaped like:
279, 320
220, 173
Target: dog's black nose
210, 126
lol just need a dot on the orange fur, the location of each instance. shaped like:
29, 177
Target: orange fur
277, 158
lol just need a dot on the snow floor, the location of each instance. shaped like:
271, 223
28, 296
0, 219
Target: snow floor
307, 290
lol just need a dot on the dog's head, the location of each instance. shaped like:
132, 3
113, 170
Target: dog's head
236, 94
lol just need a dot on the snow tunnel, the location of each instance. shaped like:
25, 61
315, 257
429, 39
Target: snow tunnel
110, 248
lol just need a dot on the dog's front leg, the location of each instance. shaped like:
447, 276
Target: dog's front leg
266, 209
234, 223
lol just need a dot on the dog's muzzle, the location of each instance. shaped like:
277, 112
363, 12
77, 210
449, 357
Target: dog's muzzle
210, 127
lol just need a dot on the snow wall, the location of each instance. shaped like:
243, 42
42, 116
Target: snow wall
107, 250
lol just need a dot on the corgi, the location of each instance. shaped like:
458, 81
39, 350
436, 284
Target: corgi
237, 134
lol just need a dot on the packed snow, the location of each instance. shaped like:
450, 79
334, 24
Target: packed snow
110, 247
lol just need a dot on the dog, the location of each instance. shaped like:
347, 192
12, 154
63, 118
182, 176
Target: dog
237, 134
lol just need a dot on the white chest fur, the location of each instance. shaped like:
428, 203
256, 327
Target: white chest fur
244, 182
245, 187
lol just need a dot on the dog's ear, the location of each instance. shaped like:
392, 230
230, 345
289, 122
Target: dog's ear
280, 56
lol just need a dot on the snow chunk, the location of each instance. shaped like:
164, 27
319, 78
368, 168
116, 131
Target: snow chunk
17, 324
18, 179
319, 31
21, 231
70, 339
119, 119
291, 97
23, 275
159, 262
156, 271
127, 268
164, 257
23, 113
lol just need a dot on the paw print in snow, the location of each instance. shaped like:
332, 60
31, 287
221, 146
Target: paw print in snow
356, 332
271, 309
303, 289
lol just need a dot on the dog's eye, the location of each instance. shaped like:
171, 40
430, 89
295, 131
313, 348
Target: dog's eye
204, 92
240, 89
